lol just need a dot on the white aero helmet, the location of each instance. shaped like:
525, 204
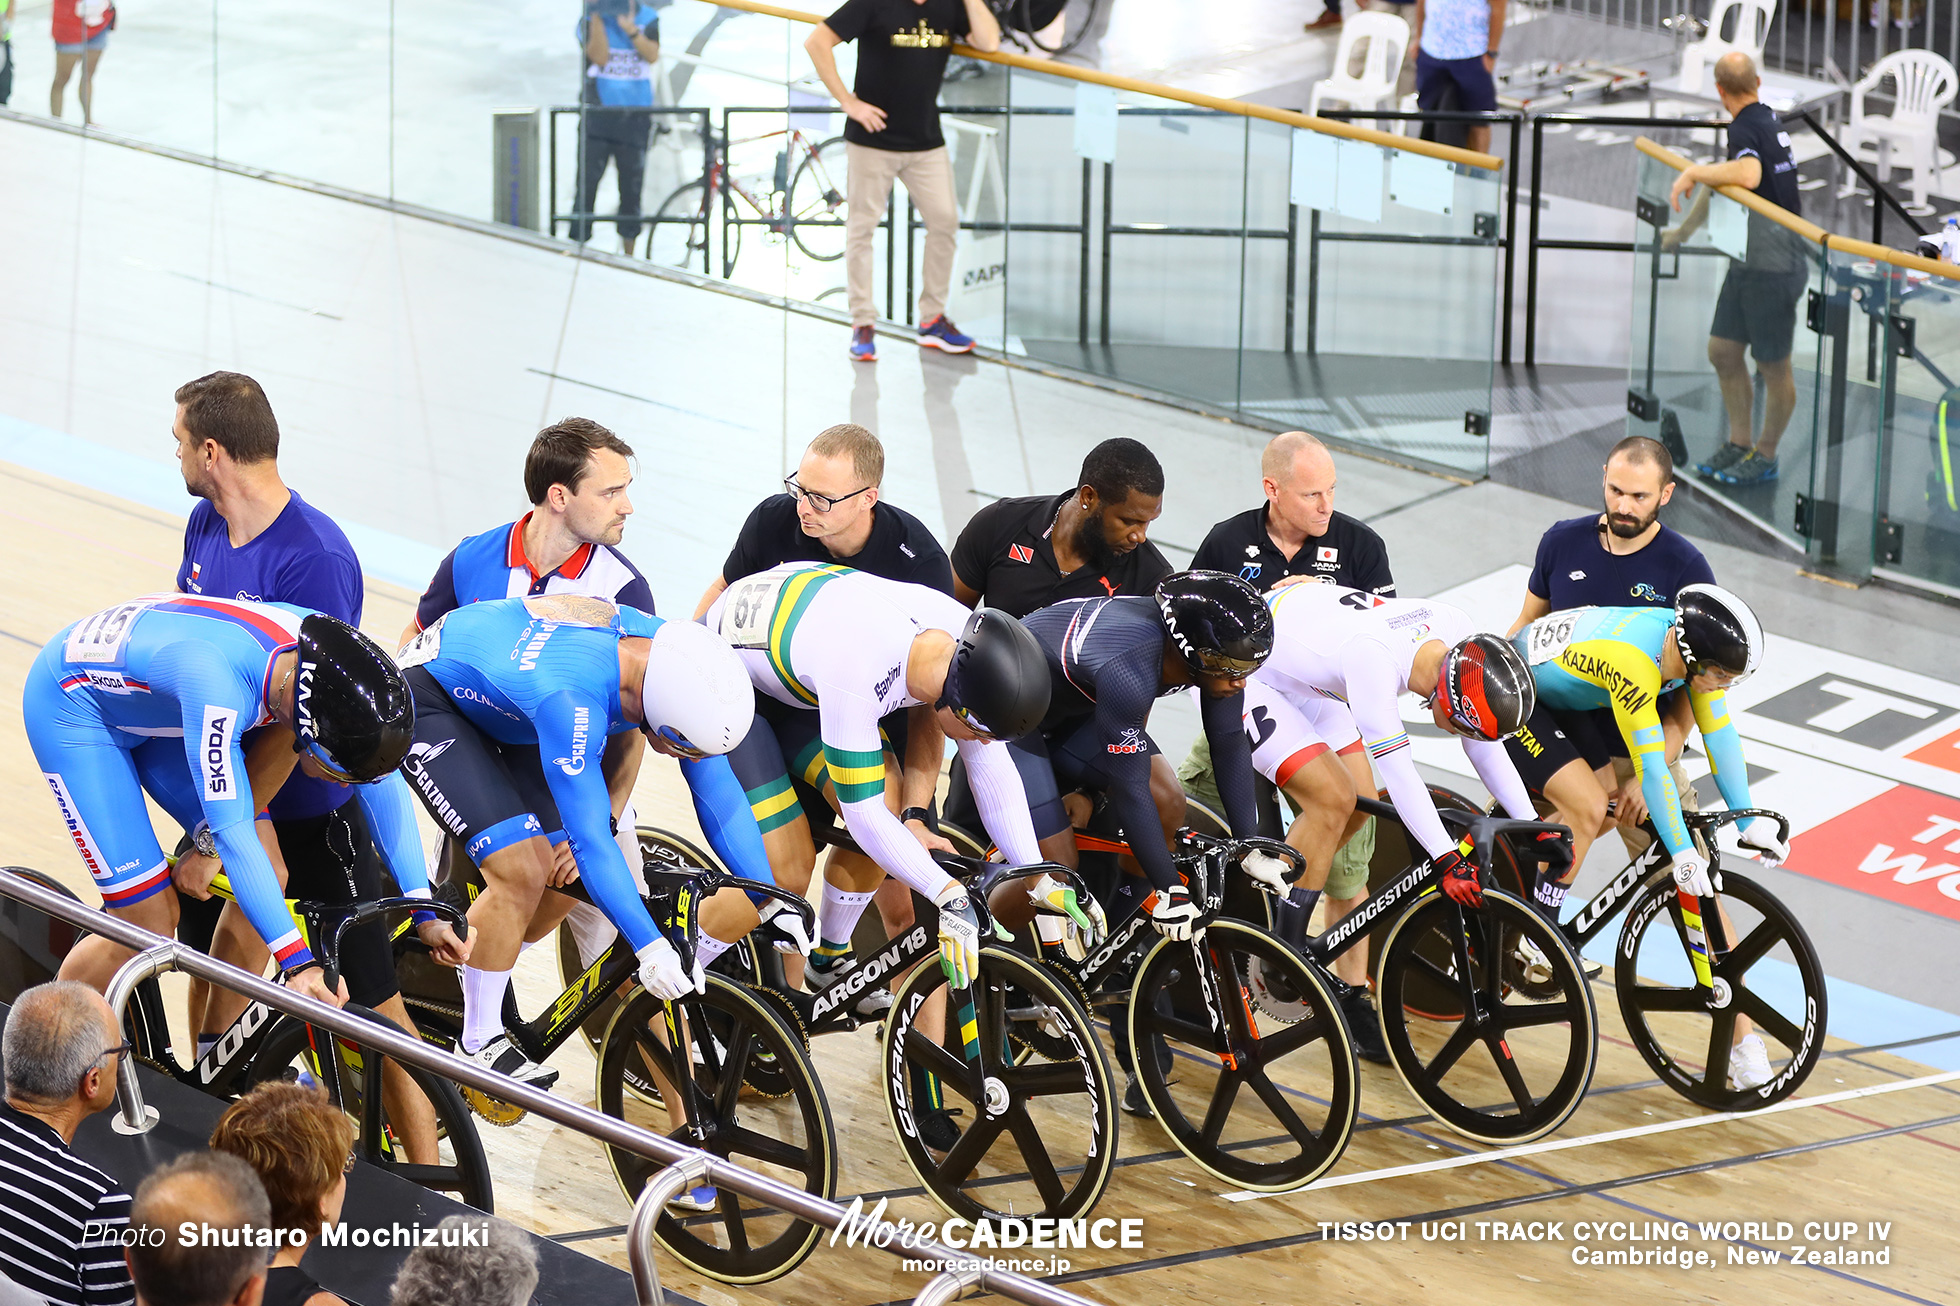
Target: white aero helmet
696, 692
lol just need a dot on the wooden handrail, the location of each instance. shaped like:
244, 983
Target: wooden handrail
1749, 199
1897, 258
1326, 126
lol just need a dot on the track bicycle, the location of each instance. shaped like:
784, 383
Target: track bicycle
1439, 963
1018, 1052
1682, 1023
263, 1045
1238, 1043
803, 199
741, 1086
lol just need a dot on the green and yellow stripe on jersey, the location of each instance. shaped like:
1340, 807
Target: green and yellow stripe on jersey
792, 600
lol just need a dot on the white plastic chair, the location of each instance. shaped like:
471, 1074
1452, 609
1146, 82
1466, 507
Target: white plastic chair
1388, 40
1924, 84
1751, 31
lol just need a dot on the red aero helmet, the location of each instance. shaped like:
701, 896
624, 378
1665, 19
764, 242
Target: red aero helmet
1486, 687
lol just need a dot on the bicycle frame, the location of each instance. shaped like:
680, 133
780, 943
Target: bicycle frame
1649, 865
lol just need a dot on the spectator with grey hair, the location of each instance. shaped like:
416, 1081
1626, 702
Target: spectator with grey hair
61, 1219
501, 1273
225, 1265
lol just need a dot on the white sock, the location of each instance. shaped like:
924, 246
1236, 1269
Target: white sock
1050, 929
483, 1005
837, 918
527, 945
708, 949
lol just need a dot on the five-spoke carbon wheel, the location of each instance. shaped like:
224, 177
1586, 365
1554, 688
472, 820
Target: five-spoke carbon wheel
1028, 1140
727, 1033
1261, 1087
1771, 975
1491, 1060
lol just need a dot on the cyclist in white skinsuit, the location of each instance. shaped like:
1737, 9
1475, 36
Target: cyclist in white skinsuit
1341, 658
831, 651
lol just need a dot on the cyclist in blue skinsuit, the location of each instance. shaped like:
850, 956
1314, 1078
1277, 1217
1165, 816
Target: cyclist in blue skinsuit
154, 695
508, 688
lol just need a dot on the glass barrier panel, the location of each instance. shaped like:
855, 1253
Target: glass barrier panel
1055, 198
1393, 292
1917, 512
1724, 368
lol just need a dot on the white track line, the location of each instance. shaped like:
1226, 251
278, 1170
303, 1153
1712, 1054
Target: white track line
1614, 1136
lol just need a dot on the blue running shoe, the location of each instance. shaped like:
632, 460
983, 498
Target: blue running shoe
940, 333
864, 345
1753, 470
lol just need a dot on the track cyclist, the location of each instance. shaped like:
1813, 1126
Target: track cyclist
155, 695
1341, 659
522, 708
1109, 660
829, 651
1625, 659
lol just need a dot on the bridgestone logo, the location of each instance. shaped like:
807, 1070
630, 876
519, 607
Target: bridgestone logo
1376, 904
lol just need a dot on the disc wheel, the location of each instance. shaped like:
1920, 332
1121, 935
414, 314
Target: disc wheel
1499, 1066
1263, 1094
789, 1138
1772, 975
462, 1169
33, 944
1034, 1140
816, 202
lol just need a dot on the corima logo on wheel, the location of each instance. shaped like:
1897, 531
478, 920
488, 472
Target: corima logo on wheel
575, 764
214, 751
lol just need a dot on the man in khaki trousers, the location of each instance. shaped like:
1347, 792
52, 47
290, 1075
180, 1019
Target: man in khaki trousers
893, 135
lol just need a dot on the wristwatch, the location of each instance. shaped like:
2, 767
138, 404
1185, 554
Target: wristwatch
922, 815
204, 841
1490, 54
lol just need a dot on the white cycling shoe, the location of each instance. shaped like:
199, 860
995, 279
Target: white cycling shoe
501, 1055
873, 1003
1749, 1063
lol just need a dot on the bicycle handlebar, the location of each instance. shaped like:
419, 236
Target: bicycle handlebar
1713, 821
370, 911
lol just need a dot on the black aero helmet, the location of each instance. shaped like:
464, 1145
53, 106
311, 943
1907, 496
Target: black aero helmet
1716, 630
997, 681
351, 708
1220, 625
1486, 687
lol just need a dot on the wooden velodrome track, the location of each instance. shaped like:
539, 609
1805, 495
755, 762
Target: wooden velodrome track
1892, 1157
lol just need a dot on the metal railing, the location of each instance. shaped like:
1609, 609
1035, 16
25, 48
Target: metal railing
684, 1165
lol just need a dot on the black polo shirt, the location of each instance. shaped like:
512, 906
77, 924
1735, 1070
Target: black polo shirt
1573, 568
1005, 553
901, 548
1350, 554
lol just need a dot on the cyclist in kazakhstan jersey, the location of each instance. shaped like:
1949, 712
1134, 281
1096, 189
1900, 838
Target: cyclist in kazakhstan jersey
504, 685
830, 651
1341, 658
1625, 659
154, 695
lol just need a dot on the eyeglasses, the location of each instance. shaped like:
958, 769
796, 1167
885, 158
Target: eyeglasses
820, 502
353, 1159
117, 1050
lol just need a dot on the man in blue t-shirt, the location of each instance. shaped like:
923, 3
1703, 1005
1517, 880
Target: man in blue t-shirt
1757, 307
252, 538
1620, 558
620, 40
1456, 50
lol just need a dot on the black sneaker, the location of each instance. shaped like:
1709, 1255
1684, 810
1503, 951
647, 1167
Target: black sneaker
1726, 457
937, 1130
1364, 1026
1133, 1099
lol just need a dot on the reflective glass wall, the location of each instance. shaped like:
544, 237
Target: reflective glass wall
1237, 263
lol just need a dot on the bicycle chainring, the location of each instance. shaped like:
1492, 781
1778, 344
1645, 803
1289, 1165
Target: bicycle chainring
495, 1110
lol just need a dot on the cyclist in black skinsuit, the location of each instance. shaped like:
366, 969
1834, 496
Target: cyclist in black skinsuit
1109, 660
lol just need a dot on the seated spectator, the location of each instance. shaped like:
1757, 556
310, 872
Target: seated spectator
219, 1195
501, 1274
299, 1144
60, 1217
